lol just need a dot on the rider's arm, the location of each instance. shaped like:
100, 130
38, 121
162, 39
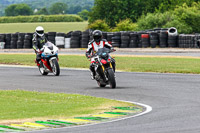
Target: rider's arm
89, 50
107, 44
35, 42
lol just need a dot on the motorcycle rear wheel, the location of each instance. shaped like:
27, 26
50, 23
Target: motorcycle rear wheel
55, 68
41, 69
111, 78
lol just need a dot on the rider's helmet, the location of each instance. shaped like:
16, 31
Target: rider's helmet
39, 31
97, 35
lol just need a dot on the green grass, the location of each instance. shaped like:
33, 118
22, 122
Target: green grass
19, 104
130, 64
30, 27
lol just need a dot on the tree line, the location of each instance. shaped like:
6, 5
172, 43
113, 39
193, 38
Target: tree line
55, 8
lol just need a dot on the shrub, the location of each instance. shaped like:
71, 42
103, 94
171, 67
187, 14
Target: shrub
125, 25
41, 18
99, 25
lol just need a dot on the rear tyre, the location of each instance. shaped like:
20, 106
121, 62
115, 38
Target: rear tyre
55, 68
101, 85
111, 78
42, 70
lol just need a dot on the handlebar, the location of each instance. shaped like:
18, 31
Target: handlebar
111, 50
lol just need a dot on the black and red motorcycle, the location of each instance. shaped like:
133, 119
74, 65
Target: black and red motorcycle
103, 68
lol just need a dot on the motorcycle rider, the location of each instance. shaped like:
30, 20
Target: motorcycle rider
39, 40
93, 46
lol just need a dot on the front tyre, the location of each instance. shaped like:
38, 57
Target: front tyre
100, 84
111, 78
42, 69
55, 68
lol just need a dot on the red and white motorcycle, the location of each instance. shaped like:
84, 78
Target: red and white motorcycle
49, 60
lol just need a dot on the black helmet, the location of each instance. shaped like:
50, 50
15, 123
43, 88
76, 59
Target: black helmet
97, 35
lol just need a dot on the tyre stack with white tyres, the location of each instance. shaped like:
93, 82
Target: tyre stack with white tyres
116, 40
60, 40
2, 41
172, 37
163, 38
14, 38
85, 39
125, 39
20, 42
133, 40
28, 40
154, 39
67, 39
145, 40
75, 39
51, 37
8, 41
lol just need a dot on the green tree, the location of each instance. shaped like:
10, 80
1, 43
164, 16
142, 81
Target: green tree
18, 9
112, 11
58, 8
186, 19
42, 11
84, 14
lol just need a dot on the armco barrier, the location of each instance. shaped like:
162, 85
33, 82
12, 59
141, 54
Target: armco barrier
124, 39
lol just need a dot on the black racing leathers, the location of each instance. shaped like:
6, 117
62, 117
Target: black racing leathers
38, 43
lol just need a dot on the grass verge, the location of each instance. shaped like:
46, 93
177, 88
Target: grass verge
30, 27
19, 104
129, 64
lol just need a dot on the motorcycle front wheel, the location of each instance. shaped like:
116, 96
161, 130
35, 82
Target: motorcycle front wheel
42, 70
111, 78
55, 68
100, 84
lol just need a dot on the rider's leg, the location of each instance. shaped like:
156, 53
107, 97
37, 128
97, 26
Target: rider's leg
92, 70
38, 58
113, 64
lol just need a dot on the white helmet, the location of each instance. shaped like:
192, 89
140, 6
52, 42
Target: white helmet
39, 31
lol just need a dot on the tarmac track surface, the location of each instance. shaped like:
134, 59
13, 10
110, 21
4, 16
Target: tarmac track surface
174, 98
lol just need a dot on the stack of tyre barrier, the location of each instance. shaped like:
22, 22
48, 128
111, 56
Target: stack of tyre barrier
105, 35
172, 37
145, 40
133, 40
140, 38
75, 41
2, 41
8, 41
186, 41
20, 42
60, 40
85, 39
116, 40
14, 38
51, 37
110, 35
154, 39
163, 38
28, 40
125, 39
67, 39
197, 40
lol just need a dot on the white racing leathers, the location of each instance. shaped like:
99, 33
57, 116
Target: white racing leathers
94, 47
